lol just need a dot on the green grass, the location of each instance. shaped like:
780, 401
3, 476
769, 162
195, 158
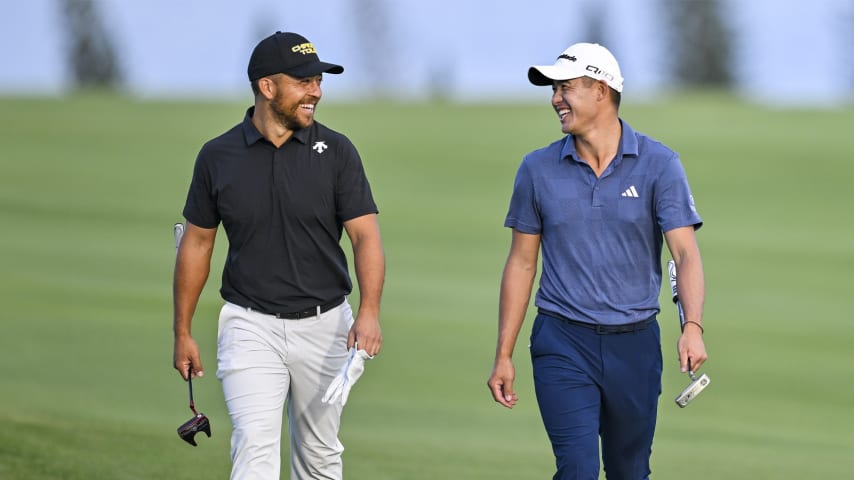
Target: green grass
90, 186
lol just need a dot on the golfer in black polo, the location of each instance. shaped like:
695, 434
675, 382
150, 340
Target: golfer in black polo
284, 187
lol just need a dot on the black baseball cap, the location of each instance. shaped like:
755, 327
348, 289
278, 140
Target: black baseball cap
289, 53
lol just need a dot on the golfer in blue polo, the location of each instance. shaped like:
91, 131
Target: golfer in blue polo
600, 202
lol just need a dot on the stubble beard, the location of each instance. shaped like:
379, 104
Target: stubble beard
288, 119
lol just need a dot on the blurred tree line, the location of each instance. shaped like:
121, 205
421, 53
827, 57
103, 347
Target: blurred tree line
697, 34
699, 38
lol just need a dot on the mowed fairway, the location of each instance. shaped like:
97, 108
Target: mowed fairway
90, 187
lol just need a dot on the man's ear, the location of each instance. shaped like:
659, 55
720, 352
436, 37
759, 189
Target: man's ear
602, 91
267, 87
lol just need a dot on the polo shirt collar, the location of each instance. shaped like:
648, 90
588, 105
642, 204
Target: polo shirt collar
628, 144
301, 135
252, 135
629, 140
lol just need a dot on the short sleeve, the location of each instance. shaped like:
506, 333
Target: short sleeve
353, 196
523, 214
200, 208
675, 206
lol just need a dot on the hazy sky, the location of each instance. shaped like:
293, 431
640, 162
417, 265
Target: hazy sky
787, 51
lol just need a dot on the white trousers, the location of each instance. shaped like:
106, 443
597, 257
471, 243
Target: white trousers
265, 363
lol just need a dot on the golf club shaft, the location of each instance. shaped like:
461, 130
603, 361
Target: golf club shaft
190, 383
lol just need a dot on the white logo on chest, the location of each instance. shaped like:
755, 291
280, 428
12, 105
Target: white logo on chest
631, 192
319, 147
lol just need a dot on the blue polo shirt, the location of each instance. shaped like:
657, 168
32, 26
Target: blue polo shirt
601, 238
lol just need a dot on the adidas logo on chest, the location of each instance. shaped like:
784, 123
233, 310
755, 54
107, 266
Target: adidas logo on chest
630, 192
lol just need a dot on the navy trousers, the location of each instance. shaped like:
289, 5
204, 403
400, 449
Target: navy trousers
592, 385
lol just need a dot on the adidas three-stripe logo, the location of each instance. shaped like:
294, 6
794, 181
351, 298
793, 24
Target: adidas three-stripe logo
630, 192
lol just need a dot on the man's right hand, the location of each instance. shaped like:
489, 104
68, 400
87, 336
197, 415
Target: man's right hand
186, 358
501, 382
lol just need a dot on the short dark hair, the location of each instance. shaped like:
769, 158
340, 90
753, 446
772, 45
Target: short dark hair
255, 88
615, 95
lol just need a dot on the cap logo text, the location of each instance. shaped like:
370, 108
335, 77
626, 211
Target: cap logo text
304, 48
566, 57
599, 71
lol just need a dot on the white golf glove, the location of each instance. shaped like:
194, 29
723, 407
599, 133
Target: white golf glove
340, 387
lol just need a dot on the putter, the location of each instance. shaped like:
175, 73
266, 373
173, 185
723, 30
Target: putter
698, 384
199, 422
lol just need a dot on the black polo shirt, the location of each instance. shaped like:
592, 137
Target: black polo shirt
283, 210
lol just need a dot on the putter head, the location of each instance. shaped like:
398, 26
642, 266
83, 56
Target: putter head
191, 427
691, 391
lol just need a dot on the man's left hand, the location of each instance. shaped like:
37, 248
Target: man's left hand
691, 348
366, 332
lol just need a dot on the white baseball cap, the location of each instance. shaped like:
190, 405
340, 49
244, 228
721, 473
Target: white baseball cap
580, 60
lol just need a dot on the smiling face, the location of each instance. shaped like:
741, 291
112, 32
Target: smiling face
295, 99
576, 103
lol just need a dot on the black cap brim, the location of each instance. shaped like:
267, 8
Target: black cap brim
536, 77
309, 69
314, 68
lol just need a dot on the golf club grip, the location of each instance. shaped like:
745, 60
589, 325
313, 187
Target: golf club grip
178, 229
671, 269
